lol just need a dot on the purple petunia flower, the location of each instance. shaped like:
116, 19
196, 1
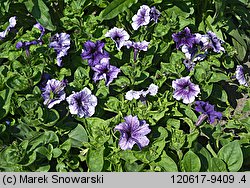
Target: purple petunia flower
53, 92
82, 103
240, 75
210, 41
138, 46
207, 111
185, 89
118, 35
61, 44
12, 24
192, 56
184, 38
105, 71
94, 52
43, 81
42, 29
142, 17
154, 14
133, 132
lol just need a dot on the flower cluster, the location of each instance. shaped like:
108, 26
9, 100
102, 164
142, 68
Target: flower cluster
196, 46
12, 24
144, 16
61, 44
121, 38
98, 60
81, 103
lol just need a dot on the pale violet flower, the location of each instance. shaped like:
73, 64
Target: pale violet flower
185, 89
240, 75
53, 93
61, 44
82, 103
118, 35
131, 94
12, 24
142, 17
133, 131
152, 89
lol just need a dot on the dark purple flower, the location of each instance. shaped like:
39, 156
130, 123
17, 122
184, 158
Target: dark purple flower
154, 14
61, 44
184, 38
240, 75
207, 111
142, 17
44, 80
118, 35
133, 132
53, 92
94, 52
185, 89
12, 24
82, 103
105, 71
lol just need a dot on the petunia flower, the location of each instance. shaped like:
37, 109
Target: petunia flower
154, 14
118, 35
61, 44
133, 132
184, 37
82, 103
240, 75
131, 94
211, 41
12, 24
138, 46
53, 92
185, 89
192, 56
105, 71
207, 111
142, 17
94, 52
42, 30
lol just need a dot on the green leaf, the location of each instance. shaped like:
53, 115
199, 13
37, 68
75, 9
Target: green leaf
217, 165
216, 77
40, 11
78, 136
116, 7
5, 97
167, 163
232, 155
95, 159
191, 162
51, 116
18, 83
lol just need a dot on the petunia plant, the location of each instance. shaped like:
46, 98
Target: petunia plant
118, 86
